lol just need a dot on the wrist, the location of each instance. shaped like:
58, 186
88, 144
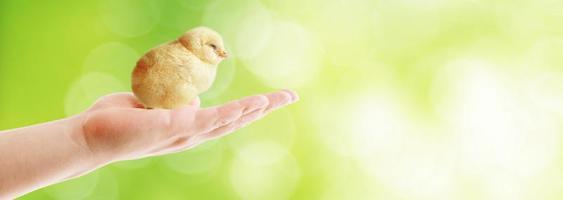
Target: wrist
91, 159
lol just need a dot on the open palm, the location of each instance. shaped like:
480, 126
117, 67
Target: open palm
118, 127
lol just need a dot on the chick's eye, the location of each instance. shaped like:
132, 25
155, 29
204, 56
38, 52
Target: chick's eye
213, 46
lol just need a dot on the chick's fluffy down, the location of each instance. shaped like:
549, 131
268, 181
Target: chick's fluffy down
172, 75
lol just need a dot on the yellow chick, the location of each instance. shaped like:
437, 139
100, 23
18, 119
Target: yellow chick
175, 73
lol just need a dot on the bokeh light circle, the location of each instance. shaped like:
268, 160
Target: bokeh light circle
276, 180
225, 74
253, 33
246, 25
500, 135
113, 58
128, 17
204, 158
282, 53
546, 53
107, 187
346, 36
74, 189
344, 184
546, 92
364, 124
86, 90
278, 127
289, 59
421, 160
262, 152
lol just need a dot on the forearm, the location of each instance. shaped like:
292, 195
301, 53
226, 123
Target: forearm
40, 155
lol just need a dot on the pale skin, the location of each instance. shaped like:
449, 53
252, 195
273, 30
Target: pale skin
117, 128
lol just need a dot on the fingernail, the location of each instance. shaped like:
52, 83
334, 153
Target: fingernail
293, 94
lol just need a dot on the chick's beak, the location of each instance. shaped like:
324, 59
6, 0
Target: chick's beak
222, 53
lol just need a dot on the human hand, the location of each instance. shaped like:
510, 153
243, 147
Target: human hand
117, 127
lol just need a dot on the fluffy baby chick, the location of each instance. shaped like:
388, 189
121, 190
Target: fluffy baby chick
173, 74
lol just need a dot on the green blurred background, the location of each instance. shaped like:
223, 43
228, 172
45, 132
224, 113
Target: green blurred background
402, 99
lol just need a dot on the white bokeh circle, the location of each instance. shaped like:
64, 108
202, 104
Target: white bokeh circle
113, 58
128, 17
203, 159
246, 25
290, 59
262, 131
75, 189
276, 180
282, 53
262, 152
253, 33
107, 187
225, 74
363, 124
424, 160
546, 53
86, 90
501, 137
546, 92
347, 182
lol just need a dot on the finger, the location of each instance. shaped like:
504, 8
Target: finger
214, 117
280, 98
184, 143
229, 128
294, 95
276, 100
179, 144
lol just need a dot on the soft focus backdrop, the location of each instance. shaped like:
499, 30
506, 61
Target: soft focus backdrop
400, 99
